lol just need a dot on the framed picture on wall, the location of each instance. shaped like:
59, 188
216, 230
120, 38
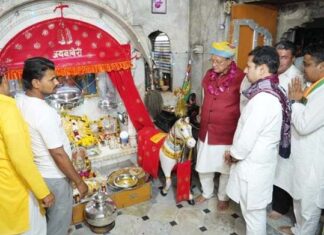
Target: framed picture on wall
159, 6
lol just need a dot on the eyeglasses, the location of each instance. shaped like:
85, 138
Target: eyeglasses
218, 62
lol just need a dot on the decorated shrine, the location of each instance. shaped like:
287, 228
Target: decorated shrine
127, 74
99, 104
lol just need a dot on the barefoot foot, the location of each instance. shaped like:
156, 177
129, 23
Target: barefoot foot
222, 205
286, 230
200, 199
274, 215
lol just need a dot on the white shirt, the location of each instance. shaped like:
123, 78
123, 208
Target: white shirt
286, 77
210, 158
255, 144
284, 177
308, 150
244, 85
46, 132
299, 63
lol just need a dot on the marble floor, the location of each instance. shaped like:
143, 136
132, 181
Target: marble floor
163, 216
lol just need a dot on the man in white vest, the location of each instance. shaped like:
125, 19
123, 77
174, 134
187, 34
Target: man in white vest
308, 148
253, 155
50, 145
282, 200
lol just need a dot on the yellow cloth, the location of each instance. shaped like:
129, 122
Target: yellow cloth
158, 137
312, 87
18, 173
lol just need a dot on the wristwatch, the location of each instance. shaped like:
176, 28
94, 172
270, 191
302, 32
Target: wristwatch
302, 101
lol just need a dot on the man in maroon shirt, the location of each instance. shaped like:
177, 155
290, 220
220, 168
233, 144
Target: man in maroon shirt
219, 116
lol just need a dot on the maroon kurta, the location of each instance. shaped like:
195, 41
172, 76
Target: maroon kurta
220, 113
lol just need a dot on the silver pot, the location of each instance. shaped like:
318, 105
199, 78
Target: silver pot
66, 97
101, 210
106, 104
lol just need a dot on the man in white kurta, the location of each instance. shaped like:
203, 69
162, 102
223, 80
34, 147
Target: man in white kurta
255, 145
287, 71
308, 148
283, 176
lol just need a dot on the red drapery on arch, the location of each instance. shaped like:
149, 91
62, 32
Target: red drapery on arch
123, 81
76, 48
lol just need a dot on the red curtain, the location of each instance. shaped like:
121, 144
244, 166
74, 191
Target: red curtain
123, 81
148, 150
183, 180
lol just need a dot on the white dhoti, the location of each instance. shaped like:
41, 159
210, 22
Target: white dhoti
210, 159
207, 184
37, 221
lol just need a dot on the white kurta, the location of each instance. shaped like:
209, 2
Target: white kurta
283, 177
286, 77
37, 221
210, 158
255, 144
308, 151
244, 85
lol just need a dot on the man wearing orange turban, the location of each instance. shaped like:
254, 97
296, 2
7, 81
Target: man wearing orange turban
219, 115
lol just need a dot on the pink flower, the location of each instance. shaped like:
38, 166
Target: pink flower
211, 89
225, 84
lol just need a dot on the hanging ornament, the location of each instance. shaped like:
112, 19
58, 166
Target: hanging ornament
228, 6
64, 35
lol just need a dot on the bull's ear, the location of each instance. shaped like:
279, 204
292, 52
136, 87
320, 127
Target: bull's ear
187, 120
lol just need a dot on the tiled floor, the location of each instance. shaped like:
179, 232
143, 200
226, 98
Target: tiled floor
162, 216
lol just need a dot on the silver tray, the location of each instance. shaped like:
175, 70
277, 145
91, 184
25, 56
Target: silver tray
125, 181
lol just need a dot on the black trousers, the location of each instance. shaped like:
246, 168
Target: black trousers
281, 200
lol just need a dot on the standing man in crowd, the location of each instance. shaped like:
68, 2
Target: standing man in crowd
282, 200
219, 115
308, 148
21, 184
255, 145
51, 147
